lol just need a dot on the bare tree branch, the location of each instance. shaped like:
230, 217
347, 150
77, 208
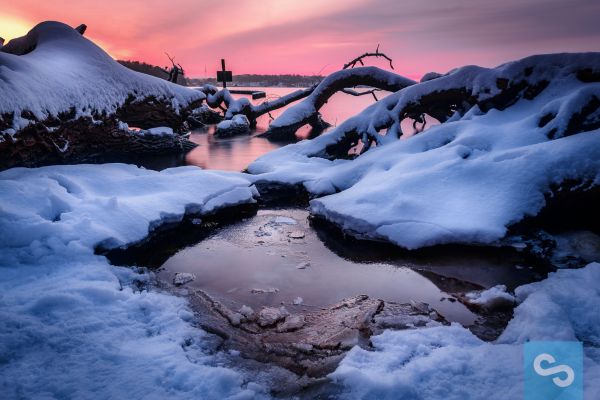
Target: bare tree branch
360, 58
353, 92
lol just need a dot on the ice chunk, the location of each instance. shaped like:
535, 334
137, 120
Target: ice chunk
181, 278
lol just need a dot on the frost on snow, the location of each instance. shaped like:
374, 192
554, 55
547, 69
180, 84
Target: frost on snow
465, 181
75, 327
449, 362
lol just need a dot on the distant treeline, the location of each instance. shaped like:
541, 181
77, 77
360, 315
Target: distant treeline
262, 80
238, 80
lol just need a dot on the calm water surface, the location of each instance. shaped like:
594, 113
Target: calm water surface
258, 255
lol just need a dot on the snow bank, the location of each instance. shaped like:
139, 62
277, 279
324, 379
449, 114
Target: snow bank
75, 327
463, 181
448, 362
67, 70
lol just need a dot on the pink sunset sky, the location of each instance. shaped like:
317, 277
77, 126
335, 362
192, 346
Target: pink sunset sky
311, 37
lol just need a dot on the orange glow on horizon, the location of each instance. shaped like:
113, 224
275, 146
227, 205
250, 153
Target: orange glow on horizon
12, 27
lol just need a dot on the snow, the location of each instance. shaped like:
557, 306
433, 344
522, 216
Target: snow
463, 181
74, 326
448, 362
161, 130
239, 122
67, 70
494, 297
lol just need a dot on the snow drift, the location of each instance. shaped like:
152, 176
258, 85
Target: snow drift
511, 136
449, 362
75, 327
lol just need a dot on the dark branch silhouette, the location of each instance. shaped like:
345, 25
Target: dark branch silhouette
360, 58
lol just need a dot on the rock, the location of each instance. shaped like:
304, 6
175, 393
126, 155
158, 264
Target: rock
296, 235
181, 278
303, 265
291, 323
247, 312
269, 316
235, 318
297, 301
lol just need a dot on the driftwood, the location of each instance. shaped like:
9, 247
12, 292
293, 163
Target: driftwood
222, 99
310, 342
444, 97
307, 112
315, 97
67, 138
77, 140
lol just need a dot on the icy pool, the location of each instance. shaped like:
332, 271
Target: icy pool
277, 257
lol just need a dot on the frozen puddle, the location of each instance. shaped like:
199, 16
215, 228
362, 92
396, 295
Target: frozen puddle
275, 258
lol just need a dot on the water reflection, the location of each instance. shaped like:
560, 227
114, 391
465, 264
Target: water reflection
262, 253
226, 153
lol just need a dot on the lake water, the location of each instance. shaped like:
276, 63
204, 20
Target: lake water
277, 256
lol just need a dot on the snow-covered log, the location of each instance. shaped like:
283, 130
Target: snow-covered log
58, 84
307, 111
222, 99
514, 141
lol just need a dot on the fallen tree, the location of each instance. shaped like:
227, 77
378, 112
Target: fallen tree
307, 112
315, 97
515, 143
84, 102
478, 90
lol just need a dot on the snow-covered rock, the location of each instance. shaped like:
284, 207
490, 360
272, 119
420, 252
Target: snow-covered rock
73, 325
464, 181
65, 70
238, 125
491, 298
449, 362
